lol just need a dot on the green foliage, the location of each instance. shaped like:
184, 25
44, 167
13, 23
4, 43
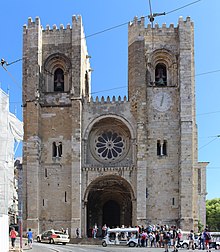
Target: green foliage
200, 226
213, 214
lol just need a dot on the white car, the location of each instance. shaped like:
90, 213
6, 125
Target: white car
53, 236
185, 243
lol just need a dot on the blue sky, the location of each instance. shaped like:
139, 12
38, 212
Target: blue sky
109, 54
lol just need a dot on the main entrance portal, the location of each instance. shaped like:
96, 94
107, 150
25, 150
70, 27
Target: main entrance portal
111, 213
109, 202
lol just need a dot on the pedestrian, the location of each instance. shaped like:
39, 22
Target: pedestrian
179, 238
166, 238
94, 231
13, 235
104, 231
30, 238
208, 238
77, 232
175, 237
67, 231
144, 239
202, 240
191, 240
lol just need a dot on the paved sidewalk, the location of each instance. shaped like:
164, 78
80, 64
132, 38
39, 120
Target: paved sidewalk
17, 245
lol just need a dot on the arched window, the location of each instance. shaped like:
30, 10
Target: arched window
160, 75
59, 80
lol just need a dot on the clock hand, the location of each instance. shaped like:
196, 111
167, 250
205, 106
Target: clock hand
161, 102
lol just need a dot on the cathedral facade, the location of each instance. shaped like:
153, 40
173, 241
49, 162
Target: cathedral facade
119, 161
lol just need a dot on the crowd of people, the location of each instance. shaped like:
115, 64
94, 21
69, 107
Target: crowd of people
164, 236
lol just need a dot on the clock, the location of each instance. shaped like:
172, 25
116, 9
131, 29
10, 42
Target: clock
161, 101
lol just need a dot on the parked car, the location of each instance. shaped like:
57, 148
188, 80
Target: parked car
53, 236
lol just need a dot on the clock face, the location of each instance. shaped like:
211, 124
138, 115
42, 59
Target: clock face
161, 101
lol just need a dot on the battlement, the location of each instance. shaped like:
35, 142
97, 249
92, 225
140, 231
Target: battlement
108, 100
76, 23
140, 24
138, 31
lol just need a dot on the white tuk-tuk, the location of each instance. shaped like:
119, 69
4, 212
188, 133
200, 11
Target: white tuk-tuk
121, 236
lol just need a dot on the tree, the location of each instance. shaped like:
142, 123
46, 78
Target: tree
213, 214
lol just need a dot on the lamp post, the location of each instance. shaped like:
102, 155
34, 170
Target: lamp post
20, 199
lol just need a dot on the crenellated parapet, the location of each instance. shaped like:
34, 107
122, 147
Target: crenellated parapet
108, 100
138, 31
108, 169
76, 23
61, 34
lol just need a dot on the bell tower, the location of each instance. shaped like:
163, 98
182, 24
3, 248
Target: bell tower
162, 95
56, 78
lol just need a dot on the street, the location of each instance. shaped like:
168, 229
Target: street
40, 247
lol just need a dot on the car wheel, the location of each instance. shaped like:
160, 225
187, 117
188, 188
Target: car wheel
185, 246
38, 239
51, 241
104, 244
64, 243
131, 244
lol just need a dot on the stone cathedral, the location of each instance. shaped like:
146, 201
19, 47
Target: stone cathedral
115, 161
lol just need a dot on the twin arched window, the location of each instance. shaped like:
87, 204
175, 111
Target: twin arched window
57, 150
59, 80
161, 148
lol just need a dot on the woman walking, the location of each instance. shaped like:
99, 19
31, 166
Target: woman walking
13, 235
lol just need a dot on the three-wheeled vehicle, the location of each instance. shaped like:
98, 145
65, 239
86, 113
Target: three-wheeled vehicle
121, 236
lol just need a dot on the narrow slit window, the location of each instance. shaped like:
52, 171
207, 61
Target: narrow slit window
45, 172
54, 149
86, 84
158, 148
173, 201
160, 75
43, 202
59, 80
165, 147
146, 193
65, 197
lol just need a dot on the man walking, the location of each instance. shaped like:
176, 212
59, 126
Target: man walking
30, 238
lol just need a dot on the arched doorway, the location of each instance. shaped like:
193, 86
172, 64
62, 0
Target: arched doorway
111, 213
109, 202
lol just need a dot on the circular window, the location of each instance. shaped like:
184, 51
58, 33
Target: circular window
109, 145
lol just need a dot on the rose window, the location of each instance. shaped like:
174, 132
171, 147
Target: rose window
109, 145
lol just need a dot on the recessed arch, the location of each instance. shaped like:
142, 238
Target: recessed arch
57, 62
166, 61
98, 119
109, 140
107, 195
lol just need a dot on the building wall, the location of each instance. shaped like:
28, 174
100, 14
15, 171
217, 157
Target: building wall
9, 127
110, 155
